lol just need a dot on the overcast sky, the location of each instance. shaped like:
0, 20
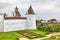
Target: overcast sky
44, 9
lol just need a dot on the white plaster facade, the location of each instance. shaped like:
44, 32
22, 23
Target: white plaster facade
17, 24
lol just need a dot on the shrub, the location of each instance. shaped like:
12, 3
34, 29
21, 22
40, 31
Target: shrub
50, 28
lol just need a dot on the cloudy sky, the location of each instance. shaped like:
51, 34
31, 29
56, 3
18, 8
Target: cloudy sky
44, 9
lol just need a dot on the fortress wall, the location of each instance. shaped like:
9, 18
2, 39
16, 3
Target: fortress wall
14, 24
1, 23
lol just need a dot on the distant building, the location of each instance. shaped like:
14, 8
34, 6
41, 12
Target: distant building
44, 21
17, 22
54, 22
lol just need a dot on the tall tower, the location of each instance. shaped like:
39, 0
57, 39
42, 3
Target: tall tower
17, 14
31, 19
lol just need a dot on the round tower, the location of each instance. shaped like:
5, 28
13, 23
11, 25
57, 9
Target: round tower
31, 19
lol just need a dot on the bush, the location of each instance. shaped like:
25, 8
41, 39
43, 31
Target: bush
50, 28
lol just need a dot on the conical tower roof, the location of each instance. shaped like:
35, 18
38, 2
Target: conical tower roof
30, 10
16, 7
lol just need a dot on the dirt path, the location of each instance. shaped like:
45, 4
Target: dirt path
47, 36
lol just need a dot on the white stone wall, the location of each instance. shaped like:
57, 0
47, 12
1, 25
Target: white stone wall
31, 21
15, 24
1, 23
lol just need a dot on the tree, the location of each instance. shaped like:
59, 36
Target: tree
38, 21
48, 20
53, 19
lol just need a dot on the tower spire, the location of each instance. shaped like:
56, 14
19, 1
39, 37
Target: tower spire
16, 7
30, 10
17, 14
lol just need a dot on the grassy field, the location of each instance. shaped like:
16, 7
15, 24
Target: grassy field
13, 35
9, 35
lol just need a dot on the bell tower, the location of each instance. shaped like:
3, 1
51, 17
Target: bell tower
17, 14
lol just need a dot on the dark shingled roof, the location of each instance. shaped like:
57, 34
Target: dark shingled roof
15, 18
30, 10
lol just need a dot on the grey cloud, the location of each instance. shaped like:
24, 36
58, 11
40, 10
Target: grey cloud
3, 5
36, 4
57, 5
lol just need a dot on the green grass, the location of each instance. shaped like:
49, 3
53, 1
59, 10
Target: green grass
38, 32
9, 35
52, 39
54, 32
13, 35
